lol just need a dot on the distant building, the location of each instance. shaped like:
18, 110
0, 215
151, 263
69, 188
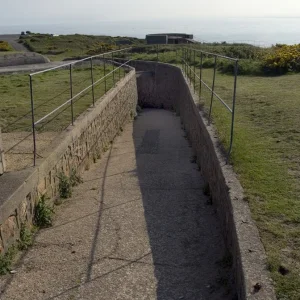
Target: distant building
170, 38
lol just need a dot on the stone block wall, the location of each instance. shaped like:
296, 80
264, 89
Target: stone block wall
240, 232
74, 149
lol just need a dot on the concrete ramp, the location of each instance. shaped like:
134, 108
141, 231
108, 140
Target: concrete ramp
139, 227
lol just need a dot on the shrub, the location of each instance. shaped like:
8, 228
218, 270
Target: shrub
282, 59
4, 46
245, 67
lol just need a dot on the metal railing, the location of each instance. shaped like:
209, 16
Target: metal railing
189, 68
105, 59
100, 73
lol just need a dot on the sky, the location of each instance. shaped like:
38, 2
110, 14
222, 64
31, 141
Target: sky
57, 11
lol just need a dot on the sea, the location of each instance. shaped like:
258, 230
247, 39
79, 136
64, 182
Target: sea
257, 31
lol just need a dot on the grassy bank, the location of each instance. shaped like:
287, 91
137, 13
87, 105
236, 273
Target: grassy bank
77, 45
266, 158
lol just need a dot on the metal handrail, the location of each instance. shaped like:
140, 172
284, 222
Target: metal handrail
78, 61
74, 97
188, 70
80, 93
215, 94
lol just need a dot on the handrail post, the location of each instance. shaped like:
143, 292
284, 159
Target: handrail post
92, 77
200, 87
32, 120
190, 63
233, 109
157, 52
113, 65
194, 70
212, 90
105, 89
71, 94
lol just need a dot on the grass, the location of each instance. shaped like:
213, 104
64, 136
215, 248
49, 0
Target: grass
49, 91
77, 45
266, 159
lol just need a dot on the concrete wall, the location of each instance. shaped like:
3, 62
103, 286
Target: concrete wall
16, 59
162, 85
75, 148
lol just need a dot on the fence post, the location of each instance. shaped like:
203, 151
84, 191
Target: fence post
32, 120
233, 109
190, 65
71, 94
194, 71
92, 77
212, 90
200, 87
104, 73
113, 65
157, 52
182, 57
2, 158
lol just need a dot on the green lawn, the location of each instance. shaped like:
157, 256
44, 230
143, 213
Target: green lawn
50, 90
266, 157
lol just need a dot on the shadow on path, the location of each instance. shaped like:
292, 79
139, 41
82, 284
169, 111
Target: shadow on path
185, 238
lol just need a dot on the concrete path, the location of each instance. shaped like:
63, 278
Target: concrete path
139, 227
12, 39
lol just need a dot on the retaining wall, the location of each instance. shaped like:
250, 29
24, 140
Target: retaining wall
163, 85
74, 149
25, 58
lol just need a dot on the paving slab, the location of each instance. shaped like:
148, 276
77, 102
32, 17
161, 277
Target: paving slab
138, 227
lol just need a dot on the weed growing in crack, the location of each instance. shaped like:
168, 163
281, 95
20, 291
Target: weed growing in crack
26, 237
7, 259
64, 186
75, 178
43, 216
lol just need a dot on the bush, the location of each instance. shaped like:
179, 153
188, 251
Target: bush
245, 67
4, 46
282, 59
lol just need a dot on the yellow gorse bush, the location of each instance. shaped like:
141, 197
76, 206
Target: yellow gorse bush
284, 58
4, 46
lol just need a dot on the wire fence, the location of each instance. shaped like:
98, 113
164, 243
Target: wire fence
59, 95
